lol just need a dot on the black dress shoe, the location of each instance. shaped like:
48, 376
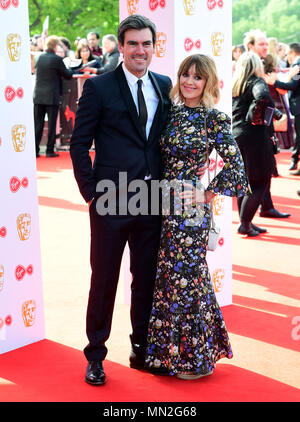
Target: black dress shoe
258, 229
95, 373
293, 166
52, 154
136, 360
272, 213
248, 230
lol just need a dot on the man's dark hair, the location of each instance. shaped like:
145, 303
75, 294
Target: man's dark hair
66, 42
94, 33
135, 22
294, 46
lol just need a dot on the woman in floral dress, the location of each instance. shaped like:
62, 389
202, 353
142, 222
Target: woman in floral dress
187, 334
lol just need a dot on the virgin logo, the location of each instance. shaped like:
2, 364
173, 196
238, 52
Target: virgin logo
16, 183
3, 232
211, 4
4, 4
20, 271
7, 321
212, 164
189, 44
153, 4
10, 93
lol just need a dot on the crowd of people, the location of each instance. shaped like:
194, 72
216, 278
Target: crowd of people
265, 79
53, 61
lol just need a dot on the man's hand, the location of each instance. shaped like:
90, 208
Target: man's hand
89, 70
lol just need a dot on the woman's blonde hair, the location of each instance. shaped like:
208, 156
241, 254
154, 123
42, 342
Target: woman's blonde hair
248, 64
206, 68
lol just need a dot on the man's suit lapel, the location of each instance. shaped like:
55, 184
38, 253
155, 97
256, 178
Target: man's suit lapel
159, 110
127, 97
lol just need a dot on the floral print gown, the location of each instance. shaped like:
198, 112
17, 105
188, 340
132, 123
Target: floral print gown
186, 329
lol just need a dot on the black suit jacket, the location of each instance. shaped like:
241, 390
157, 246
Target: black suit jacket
109, 61
50, 68
107, 114
294, 91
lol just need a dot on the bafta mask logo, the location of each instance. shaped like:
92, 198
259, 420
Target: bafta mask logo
218, 279
1, 277
29, 312
217, 42
24, 226
189, 7
132, 6
161, 44
218, 205
18, 133
13, 43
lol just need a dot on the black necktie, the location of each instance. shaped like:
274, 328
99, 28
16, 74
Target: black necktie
143, 115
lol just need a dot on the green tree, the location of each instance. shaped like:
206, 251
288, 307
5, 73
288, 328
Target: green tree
278, 18
74, 18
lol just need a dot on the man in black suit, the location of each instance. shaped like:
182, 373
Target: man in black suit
124, 112
293, 57
50, 68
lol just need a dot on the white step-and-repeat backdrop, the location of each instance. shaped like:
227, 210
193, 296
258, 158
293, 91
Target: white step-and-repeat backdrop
186, 27
21, 299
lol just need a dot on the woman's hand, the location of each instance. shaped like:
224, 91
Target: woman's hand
201, 170
209, 196
194, 196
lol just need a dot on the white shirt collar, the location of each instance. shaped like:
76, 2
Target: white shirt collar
132, 79
296, 59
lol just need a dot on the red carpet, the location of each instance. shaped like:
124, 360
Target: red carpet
266, 362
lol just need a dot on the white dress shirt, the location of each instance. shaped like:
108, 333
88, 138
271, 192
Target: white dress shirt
150, 95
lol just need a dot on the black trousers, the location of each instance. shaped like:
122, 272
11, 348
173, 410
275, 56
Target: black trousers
296, 149
248, 205
40, 111
267, 203
109, 235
